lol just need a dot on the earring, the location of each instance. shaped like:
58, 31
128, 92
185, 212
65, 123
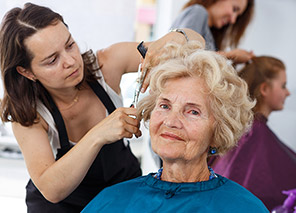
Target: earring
212, 150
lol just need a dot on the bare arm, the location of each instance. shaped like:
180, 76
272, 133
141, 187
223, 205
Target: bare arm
124, 57
155, 49
57, 179
118, 59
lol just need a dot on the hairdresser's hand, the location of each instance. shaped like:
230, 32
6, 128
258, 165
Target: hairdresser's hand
119, 124
239, 55
155, 49
151, 60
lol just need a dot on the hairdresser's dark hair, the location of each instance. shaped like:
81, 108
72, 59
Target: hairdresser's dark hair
229, 35
259, 70
19, 103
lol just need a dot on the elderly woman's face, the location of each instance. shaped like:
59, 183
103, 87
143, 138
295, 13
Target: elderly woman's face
181, 127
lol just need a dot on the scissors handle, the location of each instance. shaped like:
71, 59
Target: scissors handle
142, 49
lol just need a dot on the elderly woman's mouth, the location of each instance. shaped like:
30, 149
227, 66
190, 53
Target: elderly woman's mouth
171, 136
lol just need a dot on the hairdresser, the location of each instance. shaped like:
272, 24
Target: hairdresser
66, 108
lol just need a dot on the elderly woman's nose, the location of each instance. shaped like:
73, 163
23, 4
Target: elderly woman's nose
173, 120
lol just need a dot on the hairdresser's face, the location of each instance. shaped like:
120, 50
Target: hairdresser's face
57, 62
225, 12
276, 93
181, 125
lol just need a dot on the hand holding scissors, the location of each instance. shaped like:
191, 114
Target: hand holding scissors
141, 76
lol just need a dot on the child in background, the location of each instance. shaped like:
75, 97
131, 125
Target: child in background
261, 162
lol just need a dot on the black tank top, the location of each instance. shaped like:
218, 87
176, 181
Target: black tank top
114, 163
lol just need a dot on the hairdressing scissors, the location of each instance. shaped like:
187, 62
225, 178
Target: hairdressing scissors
141, 76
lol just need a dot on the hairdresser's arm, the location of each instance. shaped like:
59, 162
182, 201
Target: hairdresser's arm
118, 59
238, 56
155, 49
124, 57
57, 179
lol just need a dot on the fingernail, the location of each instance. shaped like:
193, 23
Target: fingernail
142, 90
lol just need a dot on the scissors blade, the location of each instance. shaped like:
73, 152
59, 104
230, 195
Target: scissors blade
140, 80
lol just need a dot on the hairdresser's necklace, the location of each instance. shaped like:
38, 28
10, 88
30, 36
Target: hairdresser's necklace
75, 100
212, 174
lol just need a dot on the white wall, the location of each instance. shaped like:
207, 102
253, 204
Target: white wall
272, 32
167, 11
97, 23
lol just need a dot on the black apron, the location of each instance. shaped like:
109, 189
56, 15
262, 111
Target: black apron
114, 163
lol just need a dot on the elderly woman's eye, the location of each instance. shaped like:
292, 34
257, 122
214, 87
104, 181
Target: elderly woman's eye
194, 112
164, 106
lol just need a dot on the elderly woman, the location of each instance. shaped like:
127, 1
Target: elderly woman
197, 106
